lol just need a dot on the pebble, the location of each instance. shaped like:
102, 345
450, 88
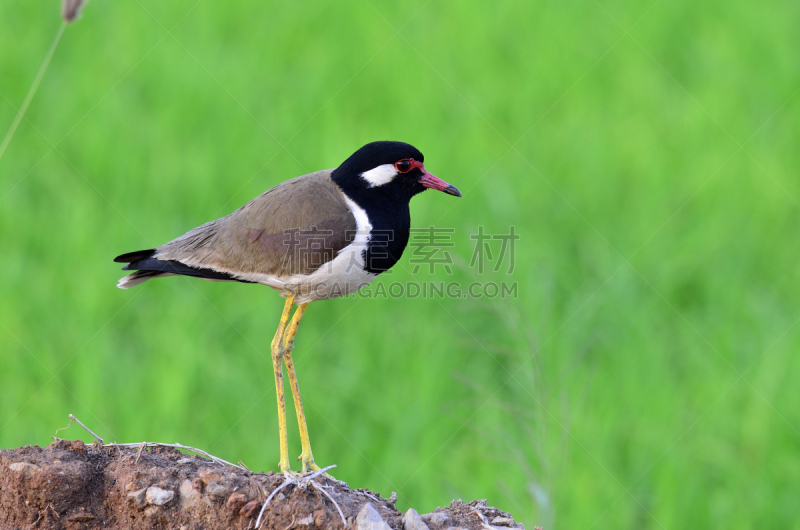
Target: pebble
217, 490
412, 521
435, 518
236, 501
369, 519
190, 497
208, 475
19, 467
138, 496
158, 496
250, 509
504, 521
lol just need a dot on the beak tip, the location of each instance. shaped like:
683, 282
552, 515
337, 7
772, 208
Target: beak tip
452, 190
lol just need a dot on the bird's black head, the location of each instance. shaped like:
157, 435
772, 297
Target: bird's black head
392, 169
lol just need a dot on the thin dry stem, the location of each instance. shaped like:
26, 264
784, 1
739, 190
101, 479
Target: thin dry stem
142, 445
73, 418
320, 488
271, 495
179, 446
31, 91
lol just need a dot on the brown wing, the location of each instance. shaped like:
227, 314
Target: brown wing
295, 227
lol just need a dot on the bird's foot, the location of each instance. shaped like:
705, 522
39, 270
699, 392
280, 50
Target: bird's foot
313, 471
310, 470
309, 466
286, 471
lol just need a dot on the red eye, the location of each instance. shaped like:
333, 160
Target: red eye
404, 166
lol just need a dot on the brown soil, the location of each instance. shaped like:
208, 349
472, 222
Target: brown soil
70, 485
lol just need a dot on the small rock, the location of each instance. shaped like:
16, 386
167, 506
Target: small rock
280, 497
207, 475
217, 490
158, 496
19, 467
137, 497
78, 445
190, 497
319, 517
150, 511
412, 521
306, 521
435, 518
236, 501
250, 509
504, 521
369, 519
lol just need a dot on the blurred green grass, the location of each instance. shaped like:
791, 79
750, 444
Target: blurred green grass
644, 378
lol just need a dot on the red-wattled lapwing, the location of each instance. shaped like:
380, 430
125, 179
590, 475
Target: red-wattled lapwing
319, 236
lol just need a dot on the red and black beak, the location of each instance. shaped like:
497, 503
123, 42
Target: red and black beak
429, 180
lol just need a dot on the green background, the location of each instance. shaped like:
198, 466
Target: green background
645, 377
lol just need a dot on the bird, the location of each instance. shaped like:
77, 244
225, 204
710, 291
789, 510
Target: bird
314, 237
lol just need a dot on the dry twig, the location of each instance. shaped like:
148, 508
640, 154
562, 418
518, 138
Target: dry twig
73, 418
320, 488
31, 90
70, 10
179, 446
143, 445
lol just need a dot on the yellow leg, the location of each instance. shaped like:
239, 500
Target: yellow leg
277, 348
306, 457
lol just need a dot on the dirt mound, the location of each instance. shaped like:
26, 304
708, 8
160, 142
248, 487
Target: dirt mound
70, 485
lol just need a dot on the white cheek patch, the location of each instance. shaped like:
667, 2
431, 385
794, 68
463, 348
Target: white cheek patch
380, 175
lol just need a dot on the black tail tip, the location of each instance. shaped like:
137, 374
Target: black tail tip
134, 256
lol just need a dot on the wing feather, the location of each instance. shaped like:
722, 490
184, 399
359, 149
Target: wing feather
293, 228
